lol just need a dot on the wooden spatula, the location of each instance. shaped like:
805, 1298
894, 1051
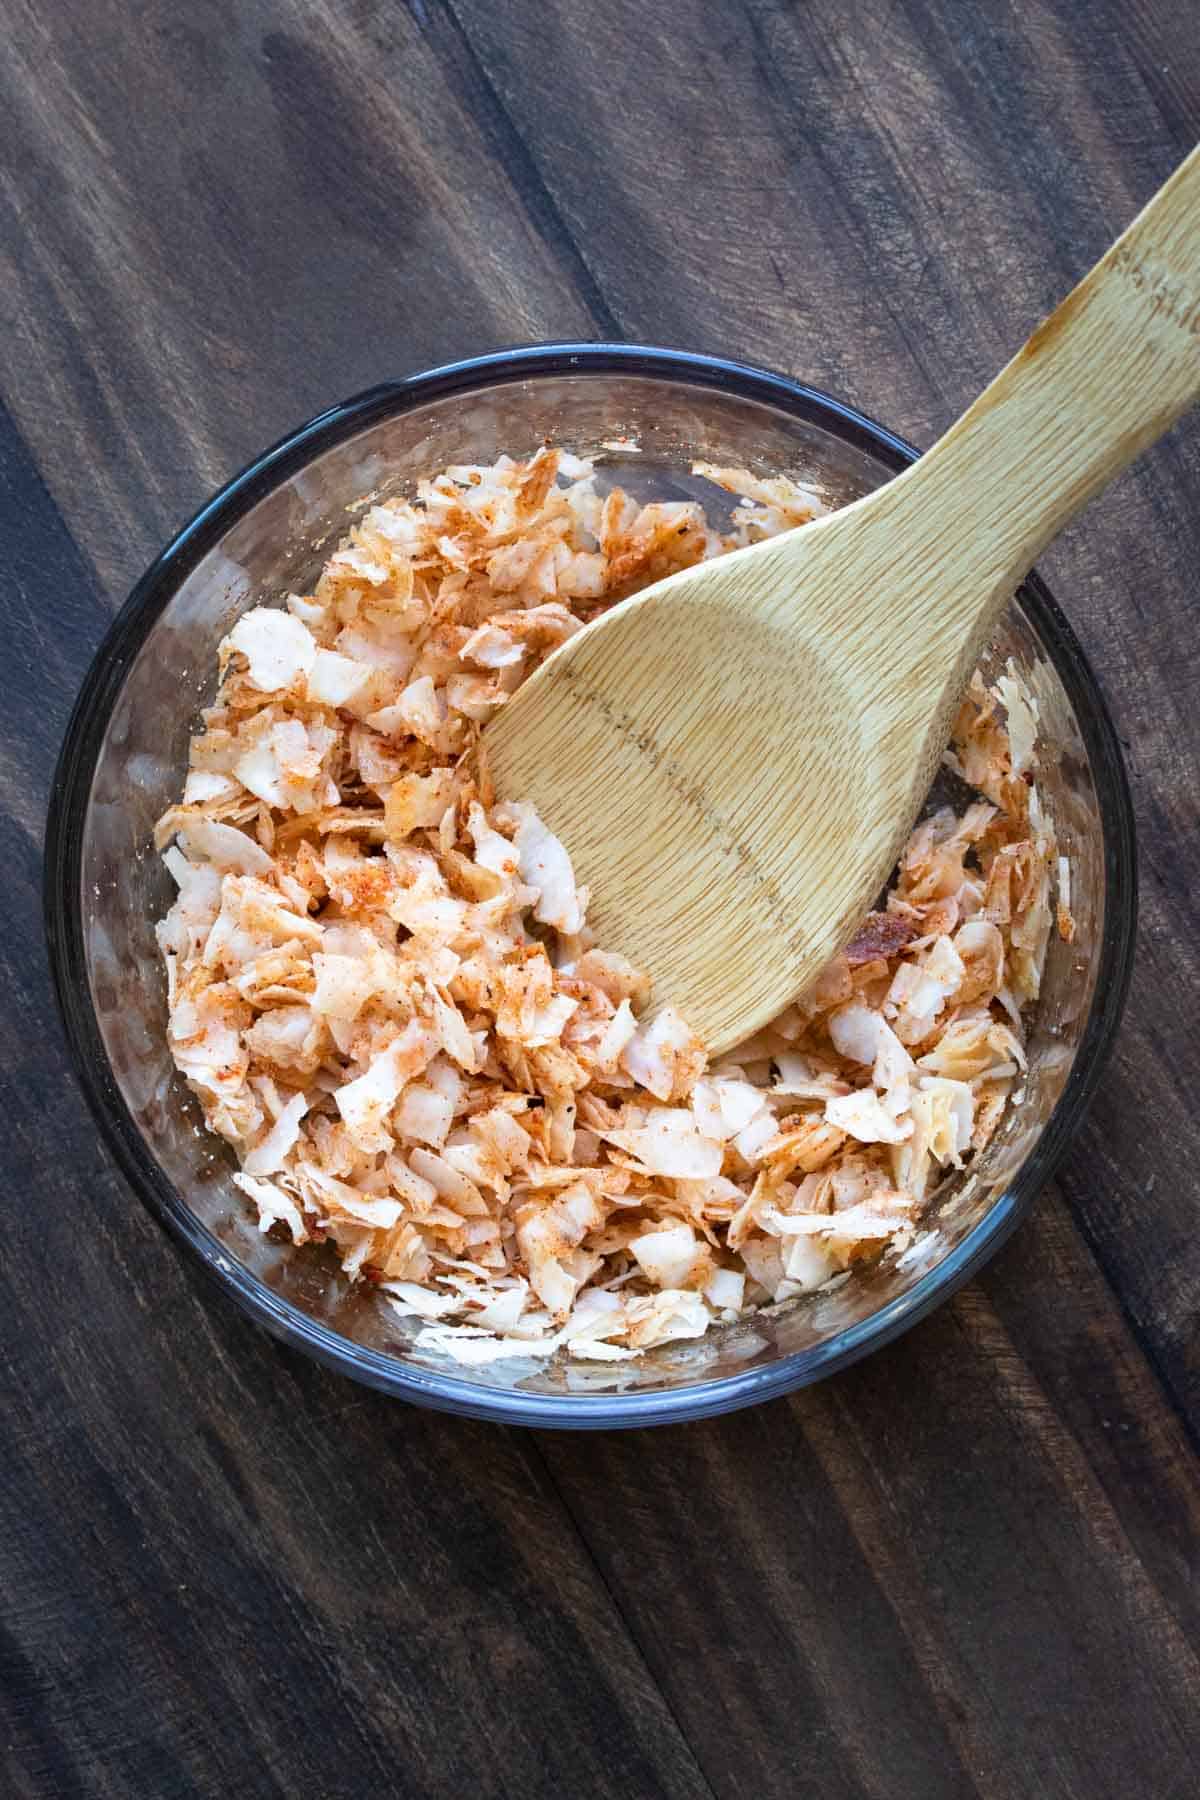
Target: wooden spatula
734, 756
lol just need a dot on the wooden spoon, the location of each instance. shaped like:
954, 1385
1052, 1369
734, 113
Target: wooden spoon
734, 756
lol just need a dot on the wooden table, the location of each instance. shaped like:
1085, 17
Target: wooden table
970, 1566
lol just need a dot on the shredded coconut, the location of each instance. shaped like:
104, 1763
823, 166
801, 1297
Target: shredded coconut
383, 990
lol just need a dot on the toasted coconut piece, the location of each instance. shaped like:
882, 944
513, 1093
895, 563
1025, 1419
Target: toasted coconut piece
664, 1056
282, 762
618, 1034
423, 1115
455, 1187
975, 1045
665, 1317
1022, 721
882, 934
344, 1203
980, 947
225, 847
344, 984
724, 1107
290, 1038
544, 865
416, 802
409, 1299
274, 1149
184, 931
206, 788
864, 1036
492, 647
673, 1258
279, 649
920, 990
833, 985
366, 1103
335, 680
207, 1034
545, 1235
274, 1205
863, 1115
492, 850
615, 976
806, 1147
670, 1144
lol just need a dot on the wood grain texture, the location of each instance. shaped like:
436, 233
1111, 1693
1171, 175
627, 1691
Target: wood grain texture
968, 1567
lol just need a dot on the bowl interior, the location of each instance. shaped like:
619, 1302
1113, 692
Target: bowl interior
128, 749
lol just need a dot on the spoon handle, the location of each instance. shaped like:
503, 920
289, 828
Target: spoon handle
1098, 381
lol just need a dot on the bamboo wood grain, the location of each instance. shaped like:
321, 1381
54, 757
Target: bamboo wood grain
735, 755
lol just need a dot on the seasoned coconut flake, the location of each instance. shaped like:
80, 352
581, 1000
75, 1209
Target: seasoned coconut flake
669, 1258
225, 847
272, 1153
382, 988
545, 866
663, 1056
278, 648
725, 1106
365, 1104
863, 1115
335, 680
274, 1206
1022, 710
670, 1144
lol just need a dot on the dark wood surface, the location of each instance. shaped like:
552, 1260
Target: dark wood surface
970, 1566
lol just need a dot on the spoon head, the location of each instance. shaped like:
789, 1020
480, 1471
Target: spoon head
725, 785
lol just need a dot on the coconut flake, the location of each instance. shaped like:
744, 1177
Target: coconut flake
278, 647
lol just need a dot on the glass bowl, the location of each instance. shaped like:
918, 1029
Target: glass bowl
122, 764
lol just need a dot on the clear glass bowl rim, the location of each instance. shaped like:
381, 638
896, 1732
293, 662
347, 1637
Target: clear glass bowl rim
65, 936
